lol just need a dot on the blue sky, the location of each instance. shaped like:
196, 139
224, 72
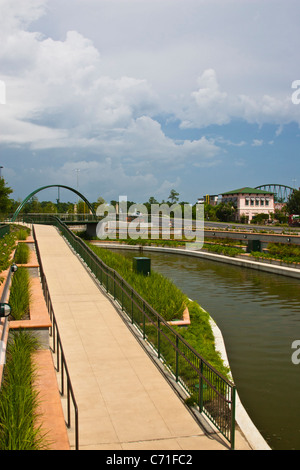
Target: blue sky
145, 96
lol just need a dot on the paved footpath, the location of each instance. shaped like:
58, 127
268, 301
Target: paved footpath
124, 401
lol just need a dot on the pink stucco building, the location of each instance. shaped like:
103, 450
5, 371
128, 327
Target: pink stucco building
250, 202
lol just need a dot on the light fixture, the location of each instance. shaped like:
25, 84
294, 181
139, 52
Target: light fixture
5, 310
14, 268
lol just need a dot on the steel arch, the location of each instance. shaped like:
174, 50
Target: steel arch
281, 191
51, 186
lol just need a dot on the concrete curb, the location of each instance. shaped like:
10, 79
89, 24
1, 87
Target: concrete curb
251, 433
244, 263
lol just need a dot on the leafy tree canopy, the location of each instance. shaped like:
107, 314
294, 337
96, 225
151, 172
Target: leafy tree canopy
293, 204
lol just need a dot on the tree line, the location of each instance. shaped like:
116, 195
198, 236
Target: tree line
223, 212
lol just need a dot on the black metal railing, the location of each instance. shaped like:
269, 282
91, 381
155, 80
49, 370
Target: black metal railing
61, 364
213, 393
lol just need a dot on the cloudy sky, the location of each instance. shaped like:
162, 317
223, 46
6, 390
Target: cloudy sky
145, 96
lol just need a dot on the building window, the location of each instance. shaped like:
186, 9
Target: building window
262, 202
257, 202
252, 202
267, 202
247, 201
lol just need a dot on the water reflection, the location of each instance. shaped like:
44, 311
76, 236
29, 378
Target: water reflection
259, 316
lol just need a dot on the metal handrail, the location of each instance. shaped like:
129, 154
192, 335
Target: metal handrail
214, 394
57, 347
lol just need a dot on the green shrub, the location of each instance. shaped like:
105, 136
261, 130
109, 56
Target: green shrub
20, 293
22, 254
18, 399
223, 250
22, 233
159, 292
280, 251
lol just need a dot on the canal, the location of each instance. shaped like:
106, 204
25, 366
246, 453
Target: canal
259, 316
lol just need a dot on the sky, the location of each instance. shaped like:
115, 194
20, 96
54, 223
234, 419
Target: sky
139, 97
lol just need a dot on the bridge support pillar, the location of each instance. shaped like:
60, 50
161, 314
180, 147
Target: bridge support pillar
91, 229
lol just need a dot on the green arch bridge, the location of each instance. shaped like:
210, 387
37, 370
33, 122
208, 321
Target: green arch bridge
52, 186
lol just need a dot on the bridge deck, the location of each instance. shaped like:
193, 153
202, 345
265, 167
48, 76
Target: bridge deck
124, 401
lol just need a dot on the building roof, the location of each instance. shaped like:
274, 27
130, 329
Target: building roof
247, 191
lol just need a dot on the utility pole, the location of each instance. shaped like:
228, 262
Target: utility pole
2, 101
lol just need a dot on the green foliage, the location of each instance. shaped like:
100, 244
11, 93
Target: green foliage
225, 211
280, 251
223, 250
22, 254
8, 244
19, 298
170, 302
259, 218
200, 336
5, 202
18, 399
293, 204
158, 291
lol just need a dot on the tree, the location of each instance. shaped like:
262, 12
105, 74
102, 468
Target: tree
293, 203
226, 212
5, 201
173, 196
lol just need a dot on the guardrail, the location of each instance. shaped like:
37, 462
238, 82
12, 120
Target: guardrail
61, 364
213, 393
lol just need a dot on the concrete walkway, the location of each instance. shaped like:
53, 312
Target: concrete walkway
124, 401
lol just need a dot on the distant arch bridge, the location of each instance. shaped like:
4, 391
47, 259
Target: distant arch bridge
52, 186
280, 191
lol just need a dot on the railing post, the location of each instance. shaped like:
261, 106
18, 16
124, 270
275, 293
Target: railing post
158, 337
233, 399
201, 387
176, 359
122, 293
144, 321
114, 290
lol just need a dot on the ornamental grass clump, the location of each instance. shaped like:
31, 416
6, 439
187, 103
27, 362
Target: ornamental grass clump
18, 399
22, 254
19, 298
158, 291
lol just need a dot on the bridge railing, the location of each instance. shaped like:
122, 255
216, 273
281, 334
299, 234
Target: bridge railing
213, 393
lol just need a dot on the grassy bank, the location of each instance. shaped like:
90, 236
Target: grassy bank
169, 301
158, 291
